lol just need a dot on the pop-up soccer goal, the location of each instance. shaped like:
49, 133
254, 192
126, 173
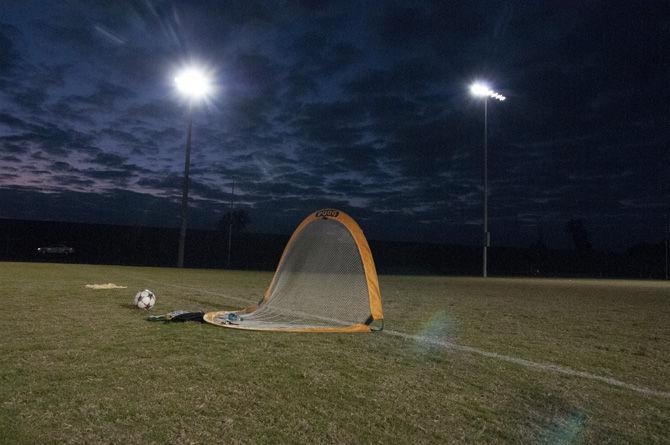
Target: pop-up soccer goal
325, 282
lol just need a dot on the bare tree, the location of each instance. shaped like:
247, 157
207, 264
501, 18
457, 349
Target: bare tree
233, 221
238, 219
581, 238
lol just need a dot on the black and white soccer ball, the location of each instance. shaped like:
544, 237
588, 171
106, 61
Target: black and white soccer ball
145, 299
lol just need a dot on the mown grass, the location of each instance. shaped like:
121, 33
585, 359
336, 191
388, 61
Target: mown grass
83, 366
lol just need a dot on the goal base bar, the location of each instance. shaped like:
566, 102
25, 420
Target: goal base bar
220, 318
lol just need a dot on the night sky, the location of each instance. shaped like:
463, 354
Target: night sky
361, 106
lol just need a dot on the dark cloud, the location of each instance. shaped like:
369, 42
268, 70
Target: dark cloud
318, 56
410, 76
74, 181
352, 105
103, 99
52, 140
172, 185
9, 57
109, 160
107, 174
13, 122
60, 166
13, 145
74, 35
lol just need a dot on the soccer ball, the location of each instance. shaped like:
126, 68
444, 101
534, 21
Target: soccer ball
144, 299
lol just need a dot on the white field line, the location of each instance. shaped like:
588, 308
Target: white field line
549, 367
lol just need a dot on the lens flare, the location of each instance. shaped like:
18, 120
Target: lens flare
439, 328
565, 430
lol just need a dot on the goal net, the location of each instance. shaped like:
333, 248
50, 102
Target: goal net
325, 282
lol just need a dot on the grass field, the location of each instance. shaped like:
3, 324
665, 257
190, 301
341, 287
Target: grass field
83, 366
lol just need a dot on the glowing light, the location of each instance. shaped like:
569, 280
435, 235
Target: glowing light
479, 89
193, 83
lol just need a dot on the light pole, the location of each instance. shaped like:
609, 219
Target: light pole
194, 85
667, 248
230, 222
479, 89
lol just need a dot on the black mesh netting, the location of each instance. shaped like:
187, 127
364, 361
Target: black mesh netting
321, 282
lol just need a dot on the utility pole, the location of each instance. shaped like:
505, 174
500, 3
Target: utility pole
487, 236
230, 222
667, 248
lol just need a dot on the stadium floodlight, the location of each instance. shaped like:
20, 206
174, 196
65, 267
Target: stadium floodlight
479, 89
482, 90
194, 84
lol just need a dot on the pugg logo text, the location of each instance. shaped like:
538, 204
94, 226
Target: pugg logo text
327, 213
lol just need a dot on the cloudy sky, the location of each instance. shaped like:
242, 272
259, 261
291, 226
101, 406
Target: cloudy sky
362, 106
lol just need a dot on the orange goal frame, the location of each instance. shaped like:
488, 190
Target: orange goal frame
372, 281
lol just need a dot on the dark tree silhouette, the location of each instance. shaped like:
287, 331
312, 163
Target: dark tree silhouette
538, 254
580, 236
239, 219
234, 221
